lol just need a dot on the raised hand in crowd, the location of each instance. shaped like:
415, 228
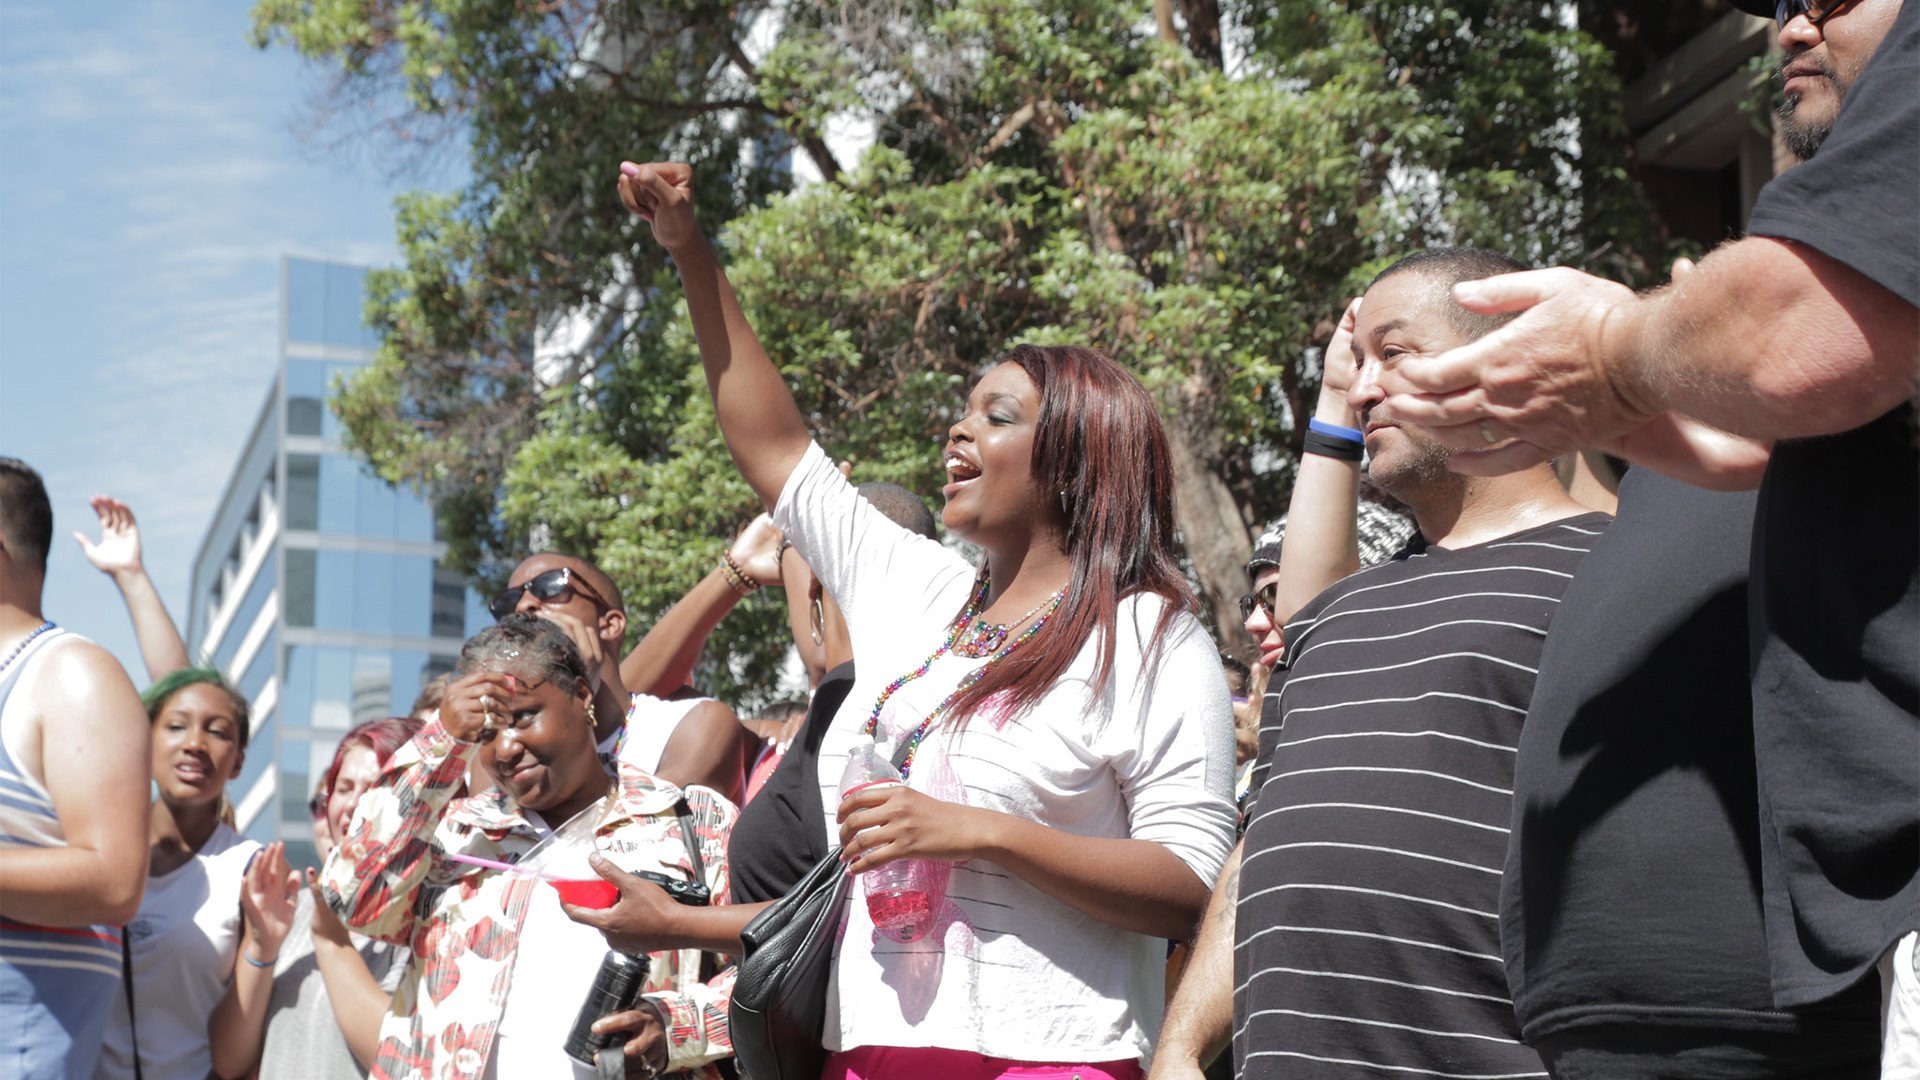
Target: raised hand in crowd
238, 1024
478, 705
1323, 539
117, 554
663, 662
583, 637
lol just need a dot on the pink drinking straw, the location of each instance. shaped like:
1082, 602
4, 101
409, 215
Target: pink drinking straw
475, 860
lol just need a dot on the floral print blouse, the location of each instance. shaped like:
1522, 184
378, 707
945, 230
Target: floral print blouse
392, 879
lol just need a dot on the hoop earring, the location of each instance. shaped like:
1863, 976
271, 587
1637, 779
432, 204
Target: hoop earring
817, 620
593, 721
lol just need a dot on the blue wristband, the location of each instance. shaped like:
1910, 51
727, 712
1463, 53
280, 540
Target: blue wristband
258, 963
1352, 435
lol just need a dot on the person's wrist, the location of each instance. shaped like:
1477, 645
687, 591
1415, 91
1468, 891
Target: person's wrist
127, 576
1631, 374
1332, 408
693, 247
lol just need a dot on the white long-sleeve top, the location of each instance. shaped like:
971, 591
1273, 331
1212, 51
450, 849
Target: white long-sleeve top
1010, 972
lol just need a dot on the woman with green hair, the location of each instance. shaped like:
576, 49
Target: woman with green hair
217, 906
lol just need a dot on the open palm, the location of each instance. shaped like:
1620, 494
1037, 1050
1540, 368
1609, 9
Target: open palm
118, 549
267, 897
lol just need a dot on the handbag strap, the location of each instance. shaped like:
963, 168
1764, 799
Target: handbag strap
126, 982
684, 813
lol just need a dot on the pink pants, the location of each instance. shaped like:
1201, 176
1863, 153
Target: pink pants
917, 1063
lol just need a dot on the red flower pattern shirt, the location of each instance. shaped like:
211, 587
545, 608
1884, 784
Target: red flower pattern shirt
392, 879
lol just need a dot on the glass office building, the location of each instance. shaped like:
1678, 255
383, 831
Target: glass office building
319, 589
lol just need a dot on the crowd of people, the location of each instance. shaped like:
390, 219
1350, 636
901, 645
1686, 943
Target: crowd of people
1580, 736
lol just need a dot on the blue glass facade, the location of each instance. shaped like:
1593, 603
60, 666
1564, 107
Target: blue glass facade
336, 572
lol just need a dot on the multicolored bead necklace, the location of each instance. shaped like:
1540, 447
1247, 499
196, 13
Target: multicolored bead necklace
960, 625
22, 647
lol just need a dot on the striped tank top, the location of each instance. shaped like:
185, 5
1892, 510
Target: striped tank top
56, 982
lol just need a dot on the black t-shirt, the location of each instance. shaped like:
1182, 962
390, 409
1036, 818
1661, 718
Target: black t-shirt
780, 836
1367, 927
1836, 582
1632, 891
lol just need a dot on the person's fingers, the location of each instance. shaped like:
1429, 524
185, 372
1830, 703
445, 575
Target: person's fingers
86, 545
627, 197
606, 869
1351, 315
672, 173
598, 918
1437, 410
1455, 369
1500, 460
1508, 292
652, 182
628, 1020
1681, 268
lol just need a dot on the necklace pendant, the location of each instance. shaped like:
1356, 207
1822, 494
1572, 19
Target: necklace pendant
982, 639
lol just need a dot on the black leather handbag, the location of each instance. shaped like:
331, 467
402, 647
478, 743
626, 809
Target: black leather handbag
780, 994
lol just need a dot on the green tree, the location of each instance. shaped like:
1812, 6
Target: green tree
1193, 187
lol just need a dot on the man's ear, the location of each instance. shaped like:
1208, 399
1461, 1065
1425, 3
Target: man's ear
613, 628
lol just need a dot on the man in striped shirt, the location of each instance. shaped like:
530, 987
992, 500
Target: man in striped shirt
1363, 908
73, 810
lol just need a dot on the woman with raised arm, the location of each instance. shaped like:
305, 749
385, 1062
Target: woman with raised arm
1062, 714
200, 953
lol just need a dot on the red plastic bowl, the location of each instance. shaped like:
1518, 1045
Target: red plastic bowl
594, 893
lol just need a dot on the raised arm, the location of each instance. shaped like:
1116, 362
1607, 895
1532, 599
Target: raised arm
377, 871
239, 1023
1199, 1020
663, 661
359, 1001
1323, 541
117, 555
93, 752
763, 428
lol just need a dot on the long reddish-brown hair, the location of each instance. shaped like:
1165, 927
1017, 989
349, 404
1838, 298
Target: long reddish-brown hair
1099, 439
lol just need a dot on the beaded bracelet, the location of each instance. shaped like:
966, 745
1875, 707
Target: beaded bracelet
737, 579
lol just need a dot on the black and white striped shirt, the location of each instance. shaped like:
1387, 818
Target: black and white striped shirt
1368, 930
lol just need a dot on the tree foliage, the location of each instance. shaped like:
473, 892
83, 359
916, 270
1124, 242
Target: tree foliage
1195, 190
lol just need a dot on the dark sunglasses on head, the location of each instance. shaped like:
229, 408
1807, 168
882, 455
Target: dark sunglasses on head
1264, 599
545, 588
1816, 11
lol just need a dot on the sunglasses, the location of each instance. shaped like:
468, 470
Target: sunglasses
546, 588
1816, 11
1264, 599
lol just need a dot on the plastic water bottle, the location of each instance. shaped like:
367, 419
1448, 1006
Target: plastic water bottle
899, 894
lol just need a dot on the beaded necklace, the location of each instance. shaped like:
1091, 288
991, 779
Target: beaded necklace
954, 631
22, 647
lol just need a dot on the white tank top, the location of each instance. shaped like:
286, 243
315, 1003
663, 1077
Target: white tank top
26, 809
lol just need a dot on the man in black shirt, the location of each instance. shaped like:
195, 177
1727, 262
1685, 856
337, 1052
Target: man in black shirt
1804, 332
1364, 931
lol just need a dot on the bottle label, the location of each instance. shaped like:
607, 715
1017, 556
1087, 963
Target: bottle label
869, 784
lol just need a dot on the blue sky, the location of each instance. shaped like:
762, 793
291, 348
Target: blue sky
153, 169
